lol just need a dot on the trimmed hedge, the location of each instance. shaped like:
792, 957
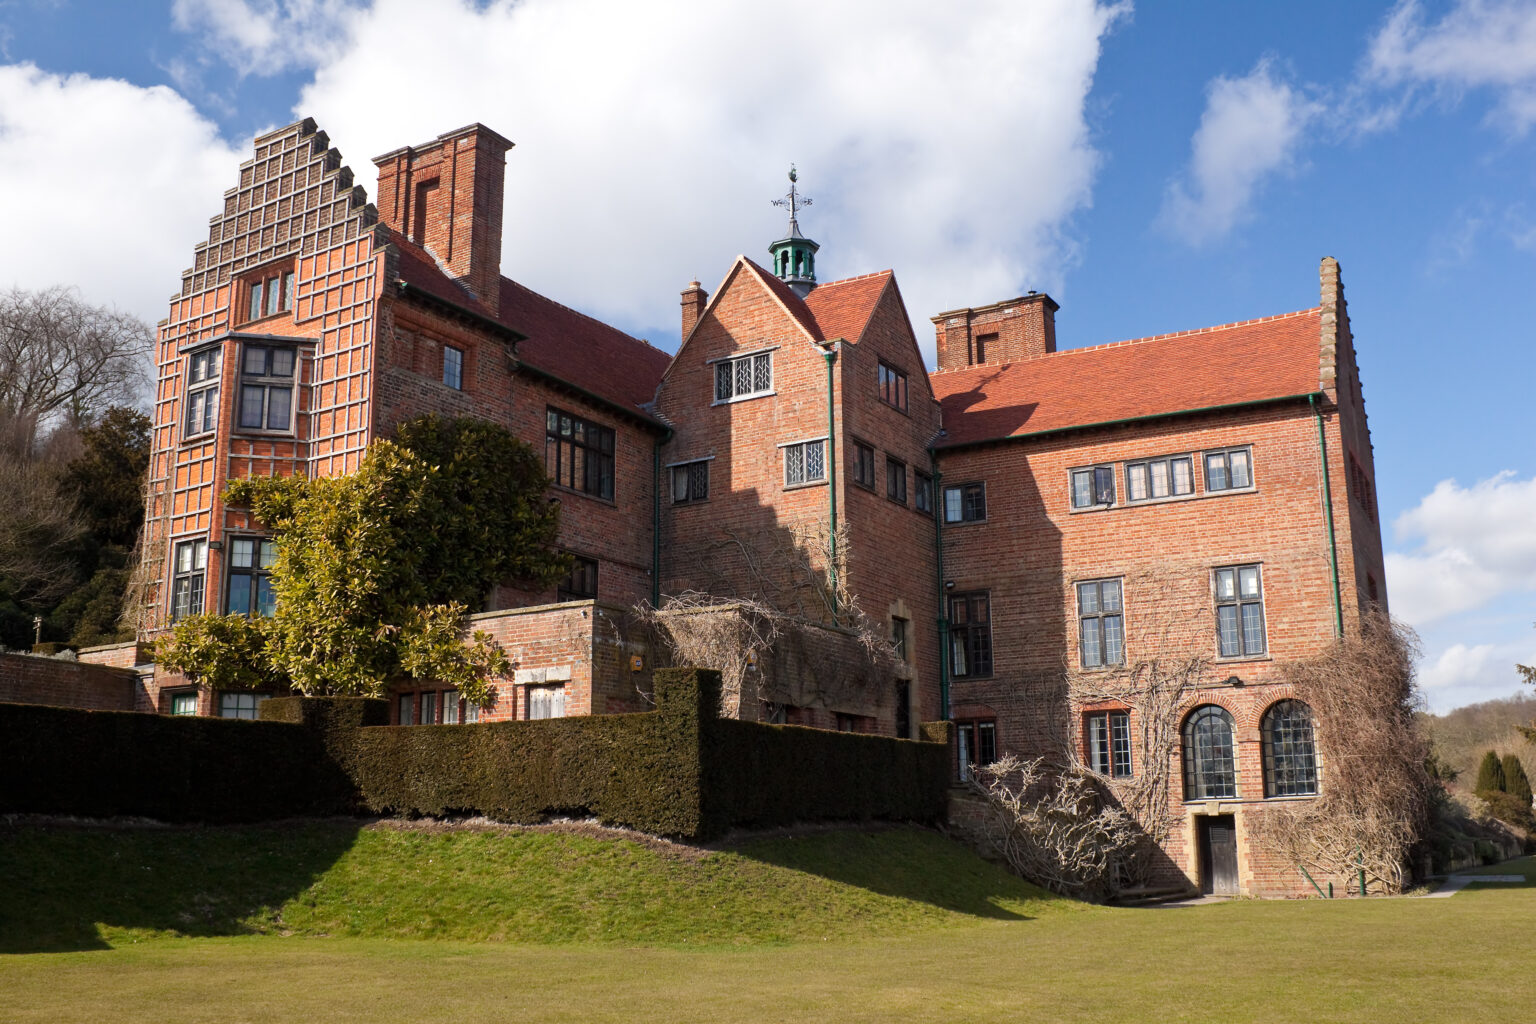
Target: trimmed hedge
639, 771
679, 770
765, 775
102, 764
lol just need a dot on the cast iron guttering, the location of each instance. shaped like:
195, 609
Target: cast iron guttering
1251, 403
830, 354
496, 326
1333, 543
656, 516
938, 560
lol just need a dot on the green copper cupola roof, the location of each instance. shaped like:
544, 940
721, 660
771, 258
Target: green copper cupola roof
794, 255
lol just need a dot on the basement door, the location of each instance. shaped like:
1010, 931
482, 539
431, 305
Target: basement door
1218, 854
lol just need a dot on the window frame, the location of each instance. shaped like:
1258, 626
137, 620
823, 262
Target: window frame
177, 697
549, 691
1226, 453
1099, 616
690, 470
268, 382
1239, 602
863, 459
922, 498
256, 291
891, 386
257, 699
969, 734
587, 569
730, 361
210, 383
804, 447
978, 487
252, 574
1303, 778
977, 642
1197, 773
1107, 759
195, 577
453, 357
1147, 464
1098, 472
896, 480
594, 459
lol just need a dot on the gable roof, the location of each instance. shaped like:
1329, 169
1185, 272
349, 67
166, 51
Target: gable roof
1232, 364
837, 309
557, 341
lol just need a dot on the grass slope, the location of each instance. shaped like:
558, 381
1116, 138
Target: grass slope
1339, 961
83, 888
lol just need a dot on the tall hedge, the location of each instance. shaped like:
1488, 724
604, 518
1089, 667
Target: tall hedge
1490, 774
102, 764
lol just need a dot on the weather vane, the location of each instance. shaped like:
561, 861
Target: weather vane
793, 200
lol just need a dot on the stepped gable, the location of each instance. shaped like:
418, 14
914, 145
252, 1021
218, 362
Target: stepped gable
837, 309
557, 339
295, 197
1254, 360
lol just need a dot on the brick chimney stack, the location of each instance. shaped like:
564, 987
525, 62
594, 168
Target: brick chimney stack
1004, 332
446, 196
695, 298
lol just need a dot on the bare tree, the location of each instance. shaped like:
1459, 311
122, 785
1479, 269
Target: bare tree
37, 529
63, 360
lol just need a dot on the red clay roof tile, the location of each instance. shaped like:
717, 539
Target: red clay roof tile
1275, 357
560, 341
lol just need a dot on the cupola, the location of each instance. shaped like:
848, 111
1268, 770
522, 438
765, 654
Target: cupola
794, 255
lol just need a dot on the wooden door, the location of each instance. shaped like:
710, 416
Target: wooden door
1218, 855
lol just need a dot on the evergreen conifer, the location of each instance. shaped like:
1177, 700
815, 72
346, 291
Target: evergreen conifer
1516, 783
1490, 774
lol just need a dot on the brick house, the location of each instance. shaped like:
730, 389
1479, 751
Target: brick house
1021, 517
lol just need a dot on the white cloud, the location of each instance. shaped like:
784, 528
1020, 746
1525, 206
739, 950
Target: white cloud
1472, 545
1477, 44
1461, 674
650, 137
108, 186
263, 37
1249, 132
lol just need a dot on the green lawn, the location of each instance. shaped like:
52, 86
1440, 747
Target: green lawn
859, 930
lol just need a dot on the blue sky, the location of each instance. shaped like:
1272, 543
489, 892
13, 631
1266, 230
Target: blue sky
1155, 167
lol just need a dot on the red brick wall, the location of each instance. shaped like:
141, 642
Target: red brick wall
1033, 548
1003, 332
68, 684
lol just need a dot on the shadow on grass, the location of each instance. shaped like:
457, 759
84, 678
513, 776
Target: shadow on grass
1525, 866
64, 879
906, 863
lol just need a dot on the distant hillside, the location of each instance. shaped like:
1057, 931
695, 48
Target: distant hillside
1461, 736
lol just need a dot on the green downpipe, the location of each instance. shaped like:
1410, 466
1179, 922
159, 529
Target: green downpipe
938, 561
831, 353
656, 517
1333, 543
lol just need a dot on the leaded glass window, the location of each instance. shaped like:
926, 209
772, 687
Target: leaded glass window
1228, 470
1210, 755
578, 454
743, 377
805, 462
1159, 478
1290, 751
690, 482
1109, 743
1093, 486
1240, 612
1101, 623
970, 634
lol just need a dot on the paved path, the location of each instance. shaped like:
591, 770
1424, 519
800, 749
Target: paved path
1455, 883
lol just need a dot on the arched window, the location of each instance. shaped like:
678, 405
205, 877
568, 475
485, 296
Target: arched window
1210, 762
1290, 754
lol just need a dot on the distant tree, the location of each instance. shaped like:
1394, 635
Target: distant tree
375, 570
1516, 783
106, 479
38, 534
1490, 774
64, 360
